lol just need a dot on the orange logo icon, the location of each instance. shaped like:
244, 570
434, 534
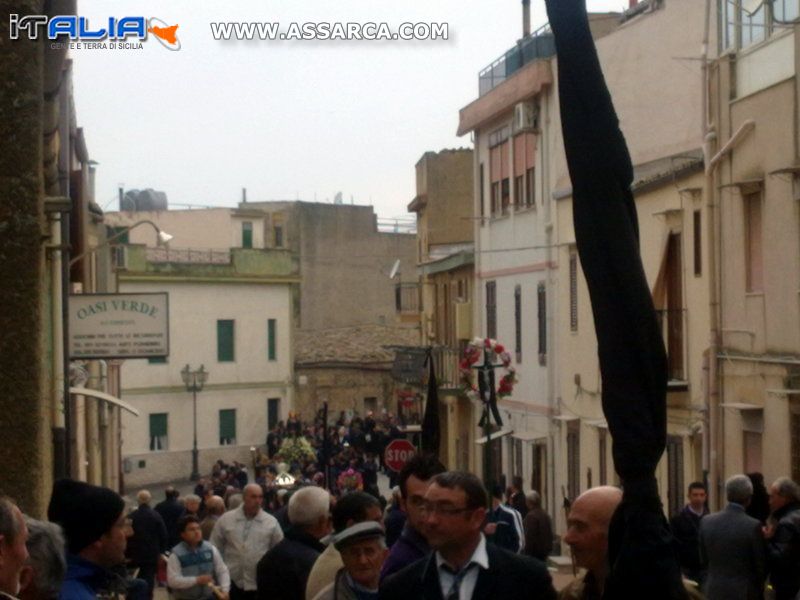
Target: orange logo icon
166, 35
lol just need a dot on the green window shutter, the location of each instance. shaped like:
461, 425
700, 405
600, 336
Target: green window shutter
158, 431
225, 340
157, 360
227, 427
272, 351
247, 234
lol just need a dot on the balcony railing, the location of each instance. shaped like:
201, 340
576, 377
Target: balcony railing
194, 256
673, 330
446, 359
540, 44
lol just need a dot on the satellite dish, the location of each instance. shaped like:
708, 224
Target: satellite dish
395, 269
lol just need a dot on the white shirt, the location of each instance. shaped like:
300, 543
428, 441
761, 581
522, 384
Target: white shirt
446, 578
242, 542
176, 580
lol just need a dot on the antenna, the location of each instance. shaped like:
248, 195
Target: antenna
395, 269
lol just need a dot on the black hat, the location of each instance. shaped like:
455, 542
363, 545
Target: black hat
84, 511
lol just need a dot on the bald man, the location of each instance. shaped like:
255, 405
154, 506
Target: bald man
243, 536
215, 508
587, 536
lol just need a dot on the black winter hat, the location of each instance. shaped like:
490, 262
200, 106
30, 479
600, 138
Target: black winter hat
84, 511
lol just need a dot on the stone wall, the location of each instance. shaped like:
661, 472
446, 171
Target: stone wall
344, 388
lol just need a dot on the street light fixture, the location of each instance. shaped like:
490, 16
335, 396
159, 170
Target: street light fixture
194, 381
163, 239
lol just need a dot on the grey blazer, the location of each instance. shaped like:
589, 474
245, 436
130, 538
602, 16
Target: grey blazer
732, 547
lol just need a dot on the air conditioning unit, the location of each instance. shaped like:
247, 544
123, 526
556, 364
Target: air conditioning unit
463, 320
119, 256
526, 117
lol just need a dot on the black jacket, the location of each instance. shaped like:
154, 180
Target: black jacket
171, 510
508, 576
686, 529
783, 552
149, 537
283, 571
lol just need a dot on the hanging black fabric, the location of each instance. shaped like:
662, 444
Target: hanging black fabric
430, 423
631, 352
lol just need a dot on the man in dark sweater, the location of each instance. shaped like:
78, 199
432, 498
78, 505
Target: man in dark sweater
686, 529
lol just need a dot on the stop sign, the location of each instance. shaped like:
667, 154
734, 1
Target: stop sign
398, 453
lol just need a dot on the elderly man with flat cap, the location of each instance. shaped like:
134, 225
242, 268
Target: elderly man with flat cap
94, 525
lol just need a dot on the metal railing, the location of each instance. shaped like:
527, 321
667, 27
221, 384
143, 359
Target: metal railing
406, 297
193, 256
446, 360
540, 44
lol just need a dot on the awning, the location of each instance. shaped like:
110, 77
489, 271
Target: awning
566, 418
81, 391
494, 436
599, 423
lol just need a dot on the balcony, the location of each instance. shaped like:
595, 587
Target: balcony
540, 44
205, 256
673, 329
446, 360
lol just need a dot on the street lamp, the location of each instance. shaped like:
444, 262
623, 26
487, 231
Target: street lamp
163, 239
194, 381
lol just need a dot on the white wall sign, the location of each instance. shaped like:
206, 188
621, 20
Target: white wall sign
118, 325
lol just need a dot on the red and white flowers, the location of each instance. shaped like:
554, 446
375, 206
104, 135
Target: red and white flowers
472, 354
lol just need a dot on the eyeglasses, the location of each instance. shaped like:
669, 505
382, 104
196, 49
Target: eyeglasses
430, 508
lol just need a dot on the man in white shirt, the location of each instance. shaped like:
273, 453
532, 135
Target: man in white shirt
243, 536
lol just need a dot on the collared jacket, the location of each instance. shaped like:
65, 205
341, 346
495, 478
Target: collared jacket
410, 547
242, 542
282, 572
84, 579
783, 552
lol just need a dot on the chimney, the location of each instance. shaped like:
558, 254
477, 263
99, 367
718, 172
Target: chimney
244, 194
526, 18
632, 4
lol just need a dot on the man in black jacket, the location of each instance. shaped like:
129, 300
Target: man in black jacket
686, 529
171, 510
783, 538
282, 572
463, 565
149, 540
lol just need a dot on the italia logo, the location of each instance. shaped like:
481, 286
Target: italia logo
78, 29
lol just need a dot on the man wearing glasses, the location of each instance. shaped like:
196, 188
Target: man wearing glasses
463, 566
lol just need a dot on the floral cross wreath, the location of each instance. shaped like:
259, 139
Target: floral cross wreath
472, 354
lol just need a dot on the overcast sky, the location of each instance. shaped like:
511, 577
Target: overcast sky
285, 119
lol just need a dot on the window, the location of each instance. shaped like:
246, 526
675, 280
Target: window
370, 404
481, 194
541, 321
754, 262
602, 442
573, 458
278, 233
247, 234
675, 489
499, 171
516, 457
741, 29
698, 246
225, 341
272, 350
539, 468
505, 195
495, 208
273, 410
530, 187
158, 432
573, 291
227, 427
156, 360
491, 309
518, 192
122, 232
518, 323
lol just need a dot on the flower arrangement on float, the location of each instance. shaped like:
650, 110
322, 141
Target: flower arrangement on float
296, 450
472, 354
350, 481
